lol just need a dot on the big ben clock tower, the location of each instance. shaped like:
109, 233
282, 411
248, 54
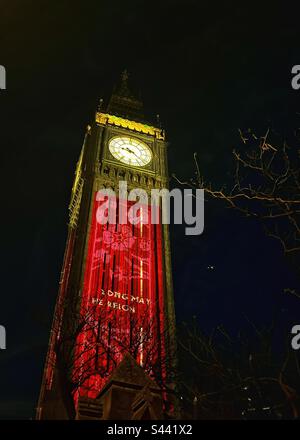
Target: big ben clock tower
112, 345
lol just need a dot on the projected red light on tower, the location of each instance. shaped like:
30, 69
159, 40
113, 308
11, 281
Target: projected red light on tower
121, 300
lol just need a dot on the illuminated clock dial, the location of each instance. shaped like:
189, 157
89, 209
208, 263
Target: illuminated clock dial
130, 151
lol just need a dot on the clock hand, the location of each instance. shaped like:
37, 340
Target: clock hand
130, 151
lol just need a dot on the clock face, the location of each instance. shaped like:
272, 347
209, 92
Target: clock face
130, 151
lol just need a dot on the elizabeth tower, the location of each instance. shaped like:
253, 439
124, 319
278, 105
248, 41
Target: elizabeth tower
111, 353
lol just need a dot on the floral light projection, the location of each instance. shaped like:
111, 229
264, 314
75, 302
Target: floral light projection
122, 296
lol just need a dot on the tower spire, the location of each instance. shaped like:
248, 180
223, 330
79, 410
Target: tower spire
124, 82
123, 102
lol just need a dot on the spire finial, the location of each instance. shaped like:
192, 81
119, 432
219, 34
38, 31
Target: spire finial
123, 102
125, 76
124, 88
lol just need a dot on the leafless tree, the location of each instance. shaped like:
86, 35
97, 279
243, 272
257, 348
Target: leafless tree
236, 378
231, 379
90, 343
266, 186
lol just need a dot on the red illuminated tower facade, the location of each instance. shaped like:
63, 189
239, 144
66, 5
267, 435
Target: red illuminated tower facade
112, 352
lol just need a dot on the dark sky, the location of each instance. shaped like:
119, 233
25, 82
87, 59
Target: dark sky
207, 68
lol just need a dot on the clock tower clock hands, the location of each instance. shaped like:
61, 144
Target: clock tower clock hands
130, 150
120, 132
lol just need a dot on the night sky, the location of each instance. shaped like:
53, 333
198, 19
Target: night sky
207, 69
